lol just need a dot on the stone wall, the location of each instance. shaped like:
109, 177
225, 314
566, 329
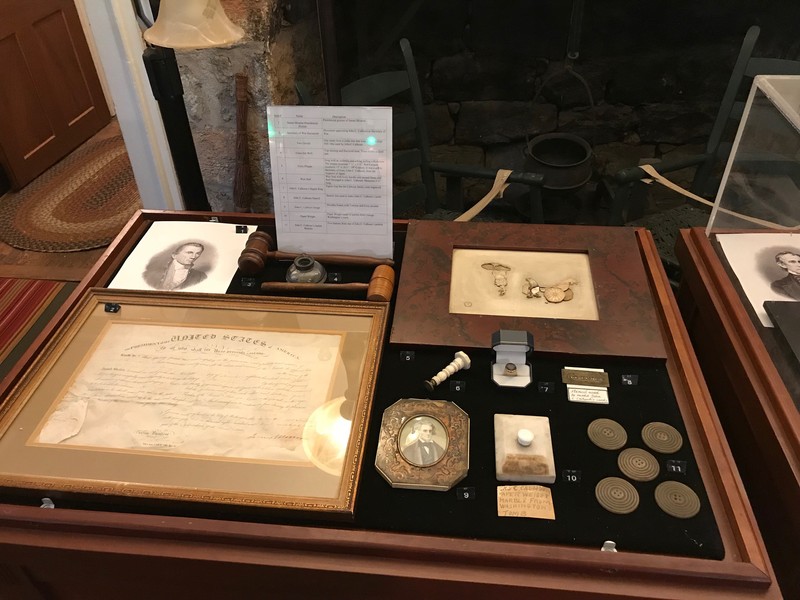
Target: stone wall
649, 75
646, 83
270, 54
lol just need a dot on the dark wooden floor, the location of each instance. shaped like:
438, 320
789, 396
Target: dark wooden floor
62, 266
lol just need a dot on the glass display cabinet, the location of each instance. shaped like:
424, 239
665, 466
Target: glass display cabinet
754, 379
738, 300
761, 183
123, 527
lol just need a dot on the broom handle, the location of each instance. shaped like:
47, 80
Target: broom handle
241, 182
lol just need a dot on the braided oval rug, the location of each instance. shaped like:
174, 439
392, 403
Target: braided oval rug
80, 203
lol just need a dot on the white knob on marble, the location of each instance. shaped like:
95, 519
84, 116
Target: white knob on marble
525, 437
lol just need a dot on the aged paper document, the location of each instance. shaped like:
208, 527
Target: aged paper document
196, 390
528, 501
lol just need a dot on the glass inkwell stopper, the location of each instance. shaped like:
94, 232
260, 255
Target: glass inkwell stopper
305, 269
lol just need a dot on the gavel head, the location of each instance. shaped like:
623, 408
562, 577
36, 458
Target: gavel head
254, 256
381, 284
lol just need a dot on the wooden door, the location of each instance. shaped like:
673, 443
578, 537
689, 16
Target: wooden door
50, 96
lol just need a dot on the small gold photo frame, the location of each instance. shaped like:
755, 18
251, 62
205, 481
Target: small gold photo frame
424, 444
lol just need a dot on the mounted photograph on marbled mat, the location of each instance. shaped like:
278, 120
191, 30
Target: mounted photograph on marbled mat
574, 289
555, 285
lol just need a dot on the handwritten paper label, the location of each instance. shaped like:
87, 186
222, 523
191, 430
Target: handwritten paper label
591, 395
526, 501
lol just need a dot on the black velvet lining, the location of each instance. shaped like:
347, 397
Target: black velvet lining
580, 520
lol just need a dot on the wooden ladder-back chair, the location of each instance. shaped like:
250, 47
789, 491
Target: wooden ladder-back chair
626, 189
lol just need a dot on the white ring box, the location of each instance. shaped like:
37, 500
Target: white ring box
512, 347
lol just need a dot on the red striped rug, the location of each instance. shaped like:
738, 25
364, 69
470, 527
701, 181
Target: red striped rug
26, 305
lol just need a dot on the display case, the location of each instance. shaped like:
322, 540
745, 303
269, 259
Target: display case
752, 372
760, 186
433, 539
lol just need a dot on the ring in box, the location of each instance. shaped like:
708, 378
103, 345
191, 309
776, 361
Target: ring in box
511, 368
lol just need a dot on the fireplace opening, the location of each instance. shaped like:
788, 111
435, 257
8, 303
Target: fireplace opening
635, 81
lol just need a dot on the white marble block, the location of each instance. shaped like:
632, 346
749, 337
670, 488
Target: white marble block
523, 449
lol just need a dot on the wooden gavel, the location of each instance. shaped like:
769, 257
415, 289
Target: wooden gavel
258, 251
379, 288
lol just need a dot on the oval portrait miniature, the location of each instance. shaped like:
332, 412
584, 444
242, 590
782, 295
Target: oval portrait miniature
423, 441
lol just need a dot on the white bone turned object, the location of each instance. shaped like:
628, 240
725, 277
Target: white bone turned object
461, 361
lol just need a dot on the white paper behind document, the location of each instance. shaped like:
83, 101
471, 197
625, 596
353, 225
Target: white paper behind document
332, 178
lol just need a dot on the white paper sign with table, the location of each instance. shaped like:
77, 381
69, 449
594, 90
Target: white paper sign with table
332, 178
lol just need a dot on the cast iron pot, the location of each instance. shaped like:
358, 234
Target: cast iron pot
564, 159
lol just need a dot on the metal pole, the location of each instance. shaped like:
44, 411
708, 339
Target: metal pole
165, 81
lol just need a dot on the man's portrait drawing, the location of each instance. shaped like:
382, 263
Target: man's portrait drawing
177, 271
789, 285
423, 441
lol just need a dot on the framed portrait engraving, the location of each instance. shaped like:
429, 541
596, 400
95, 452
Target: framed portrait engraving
424, 444
767, 265
177, 396
578, 290
183, 256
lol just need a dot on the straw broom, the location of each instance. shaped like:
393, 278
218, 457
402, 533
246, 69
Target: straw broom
242, 189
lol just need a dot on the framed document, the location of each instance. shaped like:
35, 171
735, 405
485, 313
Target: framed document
578, 290
178, 396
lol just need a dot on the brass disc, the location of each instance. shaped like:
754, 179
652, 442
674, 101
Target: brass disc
616, 495
662, 437
677, 500
607, 434
568, 295
638, 464
554, 295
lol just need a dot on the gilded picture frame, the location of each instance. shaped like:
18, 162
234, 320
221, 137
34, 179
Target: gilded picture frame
444, 429
185, 397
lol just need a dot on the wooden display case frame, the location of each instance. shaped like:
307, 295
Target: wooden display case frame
83, 553
755, 406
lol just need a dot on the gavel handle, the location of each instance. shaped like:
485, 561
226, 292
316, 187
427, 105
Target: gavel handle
379, 288
282, 286
334, 259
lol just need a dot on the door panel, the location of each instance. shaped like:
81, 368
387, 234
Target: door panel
50, 95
